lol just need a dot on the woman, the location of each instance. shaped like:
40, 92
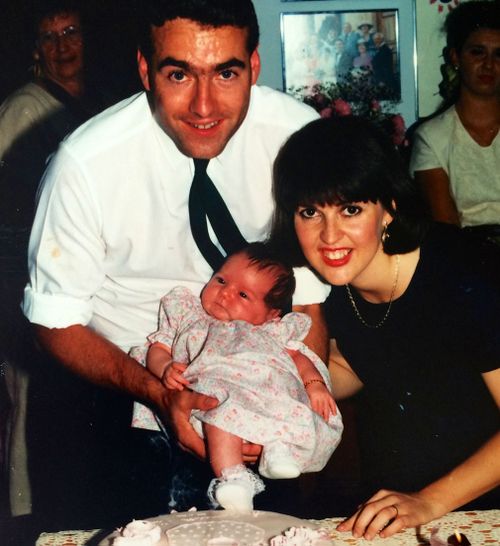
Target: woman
456, 154
414, 328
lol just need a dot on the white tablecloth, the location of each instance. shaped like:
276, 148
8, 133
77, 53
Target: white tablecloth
482, 528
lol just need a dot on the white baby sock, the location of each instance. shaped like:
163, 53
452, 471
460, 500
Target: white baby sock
235, 489
278, 463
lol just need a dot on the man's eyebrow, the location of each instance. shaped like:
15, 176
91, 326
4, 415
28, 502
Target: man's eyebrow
232, 63
171, 61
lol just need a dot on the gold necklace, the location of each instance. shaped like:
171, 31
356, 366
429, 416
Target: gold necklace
384, 318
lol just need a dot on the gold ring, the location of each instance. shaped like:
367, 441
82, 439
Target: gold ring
395, 508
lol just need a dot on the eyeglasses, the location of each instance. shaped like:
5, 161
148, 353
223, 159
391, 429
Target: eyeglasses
71, 35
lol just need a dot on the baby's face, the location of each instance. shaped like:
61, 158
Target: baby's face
237, 292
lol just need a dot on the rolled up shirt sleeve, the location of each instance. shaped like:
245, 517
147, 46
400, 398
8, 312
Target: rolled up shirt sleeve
309, 288
66, 251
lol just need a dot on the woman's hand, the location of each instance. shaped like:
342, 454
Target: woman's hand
388, 512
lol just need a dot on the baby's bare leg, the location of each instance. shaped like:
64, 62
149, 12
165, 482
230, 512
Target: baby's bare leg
224, 448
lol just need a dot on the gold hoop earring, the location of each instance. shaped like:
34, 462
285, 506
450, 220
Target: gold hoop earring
385, 235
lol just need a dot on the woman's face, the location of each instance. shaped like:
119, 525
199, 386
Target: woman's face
60, 47
343, 242
479, 62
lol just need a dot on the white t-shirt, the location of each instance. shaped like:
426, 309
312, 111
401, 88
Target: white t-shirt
473, 170
112, 235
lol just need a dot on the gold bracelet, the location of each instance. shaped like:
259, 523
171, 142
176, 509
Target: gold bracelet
310, 381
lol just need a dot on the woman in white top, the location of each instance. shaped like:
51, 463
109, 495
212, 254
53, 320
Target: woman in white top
456, 155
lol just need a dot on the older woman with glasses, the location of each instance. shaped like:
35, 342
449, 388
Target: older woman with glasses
33, 120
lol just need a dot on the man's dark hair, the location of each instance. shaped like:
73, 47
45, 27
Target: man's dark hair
262, 256
212, 13
332, 161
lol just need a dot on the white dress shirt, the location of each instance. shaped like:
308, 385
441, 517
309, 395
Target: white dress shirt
112, 235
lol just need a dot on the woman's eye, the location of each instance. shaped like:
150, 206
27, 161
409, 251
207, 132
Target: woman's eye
351, 210
308, 212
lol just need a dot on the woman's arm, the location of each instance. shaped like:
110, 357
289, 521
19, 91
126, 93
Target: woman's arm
435, 186
345, 382
477, 475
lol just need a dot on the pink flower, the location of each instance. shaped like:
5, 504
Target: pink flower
341, 107
326, 112
399, 129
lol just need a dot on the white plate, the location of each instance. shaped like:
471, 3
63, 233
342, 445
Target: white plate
206, 524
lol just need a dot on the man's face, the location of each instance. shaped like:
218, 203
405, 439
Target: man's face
60, 47
200, 79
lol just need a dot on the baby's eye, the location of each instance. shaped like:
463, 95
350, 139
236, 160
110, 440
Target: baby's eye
220, 280
243, 295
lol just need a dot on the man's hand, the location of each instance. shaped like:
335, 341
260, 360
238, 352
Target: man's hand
177, 407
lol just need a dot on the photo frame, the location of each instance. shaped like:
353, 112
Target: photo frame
353, 53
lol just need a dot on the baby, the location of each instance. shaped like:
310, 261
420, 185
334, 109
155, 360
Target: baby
272, 390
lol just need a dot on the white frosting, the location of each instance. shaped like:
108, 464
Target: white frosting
139, 533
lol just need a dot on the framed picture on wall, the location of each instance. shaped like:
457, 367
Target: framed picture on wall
353, 54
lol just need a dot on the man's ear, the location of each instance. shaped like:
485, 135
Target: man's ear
142, 65
255, 65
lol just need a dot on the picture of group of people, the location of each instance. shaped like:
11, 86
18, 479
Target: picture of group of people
341, 47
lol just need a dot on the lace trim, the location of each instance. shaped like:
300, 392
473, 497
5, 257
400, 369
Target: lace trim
232, 473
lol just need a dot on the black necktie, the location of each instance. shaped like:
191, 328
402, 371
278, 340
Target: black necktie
205, 201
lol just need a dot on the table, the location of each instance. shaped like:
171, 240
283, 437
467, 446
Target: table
482, 528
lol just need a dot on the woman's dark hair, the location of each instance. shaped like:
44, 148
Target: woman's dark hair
460, 23
262, 256
342, 160
468, 17
212, 13
51, 8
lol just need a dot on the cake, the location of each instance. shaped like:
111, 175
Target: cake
219, 528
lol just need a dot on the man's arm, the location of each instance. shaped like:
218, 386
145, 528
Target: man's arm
317, 338
96, 359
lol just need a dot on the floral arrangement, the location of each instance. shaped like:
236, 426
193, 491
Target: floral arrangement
357, 95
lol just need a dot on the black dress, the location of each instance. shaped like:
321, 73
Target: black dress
424, 407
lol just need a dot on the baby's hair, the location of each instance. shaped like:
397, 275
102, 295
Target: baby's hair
262, 256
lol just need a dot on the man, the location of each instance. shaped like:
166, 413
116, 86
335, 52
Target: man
382, 63
343, 61
112, 232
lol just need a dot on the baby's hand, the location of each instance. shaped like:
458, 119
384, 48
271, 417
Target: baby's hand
322, 401
172, 376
